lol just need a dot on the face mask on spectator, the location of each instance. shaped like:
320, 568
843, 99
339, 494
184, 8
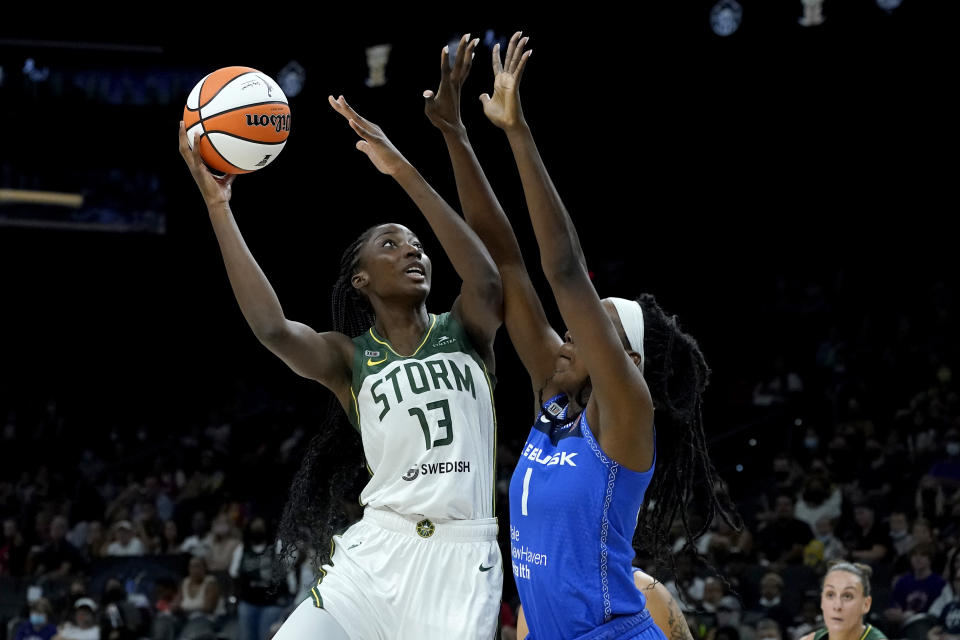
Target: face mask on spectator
38, 619
811, 442
953, 448
898, 535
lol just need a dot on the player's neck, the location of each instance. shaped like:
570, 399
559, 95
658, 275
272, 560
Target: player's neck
402, 327
854, 633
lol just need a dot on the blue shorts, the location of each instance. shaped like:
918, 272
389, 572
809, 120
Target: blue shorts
639, 626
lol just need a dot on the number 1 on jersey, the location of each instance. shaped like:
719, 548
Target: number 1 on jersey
526, 491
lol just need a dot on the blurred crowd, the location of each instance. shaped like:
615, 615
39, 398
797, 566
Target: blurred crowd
151, 531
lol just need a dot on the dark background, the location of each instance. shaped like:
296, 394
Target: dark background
729, 176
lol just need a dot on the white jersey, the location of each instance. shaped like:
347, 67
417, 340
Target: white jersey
427, 423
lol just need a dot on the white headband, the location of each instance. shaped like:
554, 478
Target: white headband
631, 317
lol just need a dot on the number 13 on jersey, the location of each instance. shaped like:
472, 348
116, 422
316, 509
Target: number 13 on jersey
445, 423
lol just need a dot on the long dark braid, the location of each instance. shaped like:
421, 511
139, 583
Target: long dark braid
333, 462
677, 375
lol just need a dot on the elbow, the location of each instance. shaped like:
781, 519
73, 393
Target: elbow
270, 334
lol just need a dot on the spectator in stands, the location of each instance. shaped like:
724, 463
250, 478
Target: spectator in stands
729, 614
809, 620
121, 618
40, 625
819, 499
914, 592
170, 543
95, 542
868, 542
787, 475
833, 548
223, 543
13, 549
946, 471
149, 528
687, 588
771, 603
154, 491
84, 624
900, 536
58, 558
260, 593
946, 608
768, 629
780, 541
198, 600
199, 542
126, 542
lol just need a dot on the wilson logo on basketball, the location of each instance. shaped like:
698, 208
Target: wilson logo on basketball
279, 122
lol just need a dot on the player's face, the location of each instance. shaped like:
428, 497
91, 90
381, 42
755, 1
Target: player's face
570, 374
842, 602
393, 262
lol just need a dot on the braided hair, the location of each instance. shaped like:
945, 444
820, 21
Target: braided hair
332, 465
677, 375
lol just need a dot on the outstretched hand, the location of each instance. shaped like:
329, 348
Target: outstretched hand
375, 143
503, 109
215, 190
443, 106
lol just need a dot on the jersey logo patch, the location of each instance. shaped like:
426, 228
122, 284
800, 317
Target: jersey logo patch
443, 341
483, 568
412, 474
425, 528
370, 358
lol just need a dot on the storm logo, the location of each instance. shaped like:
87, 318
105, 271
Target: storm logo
412, 474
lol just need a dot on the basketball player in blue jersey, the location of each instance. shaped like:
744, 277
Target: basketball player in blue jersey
424, 561
577, 494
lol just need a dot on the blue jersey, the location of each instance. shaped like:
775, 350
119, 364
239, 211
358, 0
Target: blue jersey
573, 512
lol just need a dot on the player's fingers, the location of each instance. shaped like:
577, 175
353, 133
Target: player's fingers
510, 47
444, 62
497, 67
468, 59
356, 116
183, 144
362, 131
522, 64
461, 50
517, 54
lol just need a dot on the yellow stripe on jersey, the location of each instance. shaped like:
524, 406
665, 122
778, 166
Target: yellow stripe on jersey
493, 409
433, 322
356, 407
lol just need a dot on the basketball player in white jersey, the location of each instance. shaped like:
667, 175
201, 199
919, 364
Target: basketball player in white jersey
424, 560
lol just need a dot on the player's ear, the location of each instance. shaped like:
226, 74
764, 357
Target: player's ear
360, 280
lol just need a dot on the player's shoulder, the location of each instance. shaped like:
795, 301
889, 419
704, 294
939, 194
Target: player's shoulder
874, 634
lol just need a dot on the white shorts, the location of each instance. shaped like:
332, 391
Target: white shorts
397, 577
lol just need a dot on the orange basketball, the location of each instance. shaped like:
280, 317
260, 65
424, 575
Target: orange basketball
242, 117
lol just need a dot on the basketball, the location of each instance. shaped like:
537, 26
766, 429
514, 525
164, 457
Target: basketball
242, 117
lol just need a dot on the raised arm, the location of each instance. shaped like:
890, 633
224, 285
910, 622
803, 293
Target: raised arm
324, 357
533, 338
480, 305
622, 397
